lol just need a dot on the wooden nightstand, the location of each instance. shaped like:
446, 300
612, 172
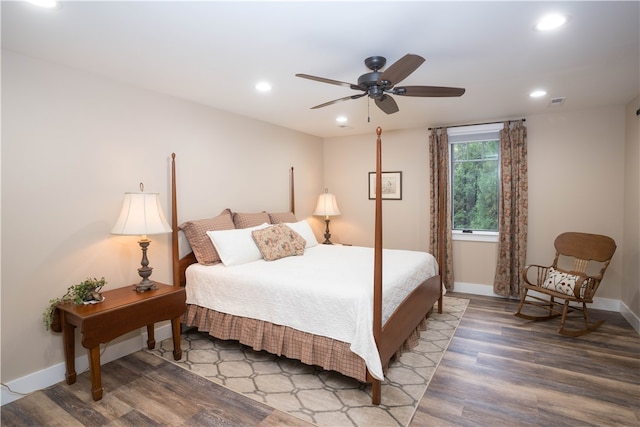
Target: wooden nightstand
123, 310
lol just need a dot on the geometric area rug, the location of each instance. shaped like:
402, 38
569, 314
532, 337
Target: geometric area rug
324, 398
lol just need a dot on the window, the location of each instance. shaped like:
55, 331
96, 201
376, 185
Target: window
475, 178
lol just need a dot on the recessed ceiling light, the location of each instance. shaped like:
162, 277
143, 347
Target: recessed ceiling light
550, 22
538, 93
263, 87
48, 4
341, 119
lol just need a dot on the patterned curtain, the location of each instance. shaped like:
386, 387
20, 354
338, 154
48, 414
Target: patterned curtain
512, 243
440, 206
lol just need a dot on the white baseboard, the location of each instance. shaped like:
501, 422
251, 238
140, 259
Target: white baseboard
54, 374
606, 304
474, 289
630, 316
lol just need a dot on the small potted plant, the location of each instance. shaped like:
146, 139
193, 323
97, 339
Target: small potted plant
87, 292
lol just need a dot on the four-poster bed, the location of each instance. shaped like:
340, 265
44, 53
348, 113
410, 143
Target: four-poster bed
389, 327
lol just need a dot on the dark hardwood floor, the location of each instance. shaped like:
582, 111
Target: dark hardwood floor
503, 370
498, 370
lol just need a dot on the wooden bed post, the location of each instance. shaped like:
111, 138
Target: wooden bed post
174, 224
376, 386
292, 201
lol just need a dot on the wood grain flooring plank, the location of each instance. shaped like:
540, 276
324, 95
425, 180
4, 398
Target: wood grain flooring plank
109, 406
546, 374
209, 418
219, 402
148, 402
565, 353
584, 410
134, 418
238, 408
501, 393
122, 372
500, 370
36, 410
576, 384
81, 410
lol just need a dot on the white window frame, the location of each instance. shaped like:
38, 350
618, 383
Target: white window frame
461, 134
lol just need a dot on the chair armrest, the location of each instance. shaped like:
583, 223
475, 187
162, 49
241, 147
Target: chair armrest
540, 272
591, 286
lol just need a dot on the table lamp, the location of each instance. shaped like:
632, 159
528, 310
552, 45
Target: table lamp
327, 207
142, 215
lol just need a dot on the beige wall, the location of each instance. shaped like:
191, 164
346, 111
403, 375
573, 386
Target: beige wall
348, 162
576, 181
631, 241
73, 143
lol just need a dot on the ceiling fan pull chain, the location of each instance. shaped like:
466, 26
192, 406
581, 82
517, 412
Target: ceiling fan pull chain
368, 110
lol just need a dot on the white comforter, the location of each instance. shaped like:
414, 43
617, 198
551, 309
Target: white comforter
328, 291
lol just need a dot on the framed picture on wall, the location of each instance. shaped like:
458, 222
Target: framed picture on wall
391, 185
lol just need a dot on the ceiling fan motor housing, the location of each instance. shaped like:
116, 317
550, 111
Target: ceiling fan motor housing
369, 83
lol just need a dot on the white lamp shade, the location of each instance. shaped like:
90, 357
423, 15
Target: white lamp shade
327, 205
141, 215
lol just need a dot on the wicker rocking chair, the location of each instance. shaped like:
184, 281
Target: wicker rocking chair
575, 275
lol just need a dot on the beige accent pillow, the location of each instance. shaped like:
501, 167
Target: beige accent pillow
278, 241
196, 233
280, 217
246, 220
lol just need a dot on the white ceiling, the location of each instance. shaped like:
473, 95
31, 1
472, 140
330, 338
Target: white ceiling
214, 52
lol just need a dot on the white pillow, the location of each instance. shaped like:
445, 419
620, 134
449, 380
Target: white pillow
236, 246
304, 229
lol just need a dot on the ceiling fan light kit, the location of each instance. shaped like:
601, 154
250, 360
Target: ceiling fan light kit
380, 85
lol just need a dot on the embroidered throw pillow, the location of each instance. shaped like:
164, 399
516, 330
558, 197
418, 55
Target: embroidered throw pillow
278, 241
564, 283
298, 241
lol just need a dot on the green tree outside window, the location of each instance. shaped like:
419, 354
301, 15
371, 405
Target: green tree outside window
475, 171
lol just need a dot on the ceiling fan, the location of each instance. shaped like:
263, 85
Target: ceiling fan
379, 85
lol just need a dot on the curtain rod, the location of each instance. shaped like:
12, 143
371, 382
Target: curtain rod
476, 124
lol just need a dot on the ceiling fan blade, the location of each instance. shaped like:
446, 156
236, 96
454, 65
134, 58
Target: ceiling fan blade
401, 69
428, 91
324, 80
387, 104
346, 98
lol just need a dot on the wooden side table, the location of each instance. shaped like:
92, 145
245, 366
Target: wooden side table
123, 310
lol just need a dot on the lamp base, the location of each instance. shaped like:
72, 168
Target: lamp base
140, 287
145, 271
327, 235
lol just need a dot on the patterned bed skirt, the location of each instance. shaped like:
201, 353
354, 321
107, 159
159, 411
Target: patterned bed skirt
310, 349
